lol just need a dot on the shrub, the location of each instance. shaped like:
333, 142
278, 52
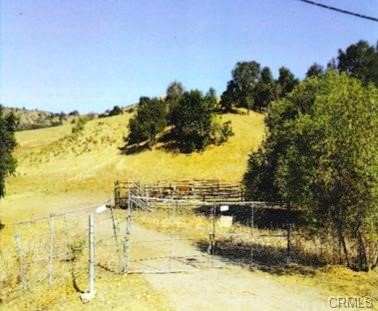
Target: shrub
79, 126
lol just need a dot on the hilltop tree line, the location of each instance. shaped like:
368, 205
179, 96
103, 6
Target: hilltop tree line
253, 87
191, 116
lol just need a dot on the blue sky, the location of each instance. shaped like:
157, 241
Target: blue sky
90, 55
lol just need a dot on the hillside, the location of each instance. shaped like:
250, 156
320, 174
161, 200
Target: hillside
33, 119
52, 161
58, 171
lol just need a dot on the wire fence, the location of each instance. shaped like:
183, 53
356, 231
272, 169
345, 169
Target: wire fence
171, 235
58, 248
153, 235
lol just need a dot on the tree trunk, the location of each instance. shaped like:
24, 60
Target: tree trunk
375, 264
363, 260
342, 241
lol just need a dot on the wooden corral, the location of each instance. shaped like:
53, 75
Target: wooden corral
207, 190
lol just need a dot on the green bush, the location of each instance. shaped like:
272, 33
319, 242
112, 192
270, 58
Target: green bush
79, 126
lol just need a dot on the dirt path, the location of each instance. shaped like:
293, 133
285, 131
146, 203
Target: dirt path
229, 288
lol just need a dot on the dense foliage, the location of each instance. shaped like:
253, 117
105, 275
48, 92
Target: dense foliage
8, 125
321, 156
149, 120
115, 111
186, 120
195, 125
360, 60
175, 91
254, 88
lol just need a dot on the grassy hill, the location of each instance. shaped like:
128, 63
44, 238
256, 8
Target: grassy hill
54, 162
33, 119
58, 170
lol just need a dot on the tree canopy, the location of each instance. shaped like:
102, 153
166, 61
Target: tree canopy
314, 70
321, 157
8, 125
240, 89
286, 82
195, 125
360, 60
264, 90
174, 93
254, 88
149, 120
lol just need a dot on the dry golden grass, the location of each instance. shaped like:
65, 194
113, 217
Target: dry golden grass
53, 163
57, 172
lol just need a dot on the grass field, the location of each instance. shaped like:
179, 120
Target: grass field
59, 171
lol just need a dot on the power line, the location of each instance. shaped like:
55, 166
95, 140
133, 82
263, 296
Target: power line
374, 19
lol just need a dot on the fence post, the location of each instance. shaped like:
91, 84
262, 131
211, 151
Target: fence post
252, 225
211, 248
288, 248
17, 240
127, 236
51, 248
115, 234
92, 253
86, 297
116, 194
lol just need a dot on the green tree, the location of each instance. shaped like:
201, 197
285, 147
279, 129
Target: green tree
264, 90
228, 97
116, 110
195, 123
245, 76
149, 120
8, 125
286, 82
314, 70
174, 93
192, 122
360, 60
211, 98
321, 157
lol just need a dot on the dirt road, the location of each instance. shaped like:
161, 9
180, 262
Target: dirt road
205, 288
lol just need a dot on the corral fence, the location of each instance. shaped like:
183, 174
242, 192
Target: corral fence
206, 190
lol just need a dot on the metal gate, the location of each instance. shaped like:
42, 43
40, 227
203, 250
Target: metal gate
180, 235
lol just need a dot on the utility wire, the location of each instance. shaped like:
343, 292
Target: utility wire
374, 19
